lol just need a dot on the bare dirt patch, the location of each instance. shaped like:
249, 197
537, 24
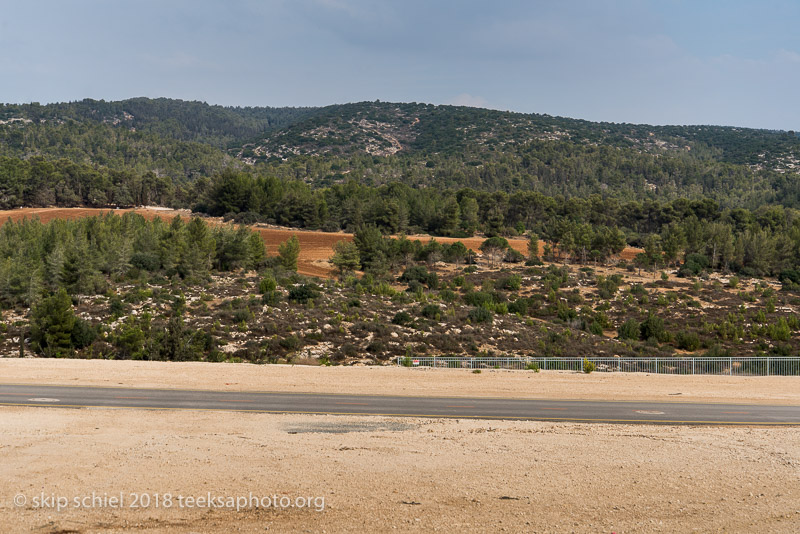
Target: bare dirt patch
315, 247
49, 214
420, 476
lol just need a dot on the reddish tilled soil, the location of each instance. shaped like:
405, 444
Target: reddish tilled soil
315, 247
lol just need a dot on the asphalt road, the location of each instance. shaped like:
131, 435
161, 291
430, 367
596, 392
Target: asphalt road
456, 407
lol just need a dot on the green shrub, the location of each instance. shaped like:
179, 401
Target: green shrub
588, 366
629, 330
513, 256
687, 341
420, 274
304, 293
447, 295
431, 311
291, 343
602, 319
564, 312
532, 366
595, 328
480, 315
478, 298
653, 327
638, 289
511, 283
375, 347
607, 287
402, 318
116, 307
790, 279
349, 350
242, 315
271, 298
693, 265
717, 351
83, 333
519, 306
780, 331
267, 284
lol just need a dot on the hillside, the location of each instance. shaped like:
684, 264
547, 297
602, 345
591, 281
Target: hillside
376, 144
174, 119
383, 129
456, 147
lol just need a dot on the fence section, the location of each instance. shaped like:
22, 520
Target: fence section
753, 366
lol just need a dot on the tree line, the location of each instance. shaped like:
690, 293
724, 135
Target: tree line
81, 256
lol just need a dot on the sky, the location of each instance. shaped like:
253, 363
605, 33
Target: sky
730, 62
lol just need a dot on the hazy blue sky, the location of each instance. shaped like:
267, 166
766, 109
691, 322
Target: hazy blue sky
727, 62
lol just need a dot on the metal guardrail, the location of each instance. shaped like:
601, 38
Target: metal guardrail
743, 366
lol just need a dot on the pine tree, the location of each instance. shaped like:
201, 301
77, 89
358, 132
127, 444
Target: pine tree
289, 252
52, 324
345, 258
533, 248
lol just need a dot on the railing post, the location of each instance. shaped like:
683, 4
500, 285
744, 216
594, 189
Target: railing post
696, 366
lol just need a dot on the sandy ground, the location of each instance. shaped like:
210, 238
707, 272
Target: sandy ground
383, 474
392, 380
391, 475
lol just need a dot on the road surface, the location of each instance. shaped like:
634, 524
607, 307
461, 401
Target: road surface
397, 406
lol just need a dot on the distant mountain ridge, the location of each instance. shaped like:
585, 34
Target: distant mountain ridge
383, 129
379, 128
420, 145
178, 119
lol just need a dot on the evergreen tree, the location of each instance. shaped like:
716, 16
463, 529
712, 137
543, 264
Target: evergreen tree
533, 247
52, 323
345, 258
289, 252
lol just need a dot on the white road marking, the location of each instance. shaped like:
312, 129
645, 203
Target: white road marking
44, 399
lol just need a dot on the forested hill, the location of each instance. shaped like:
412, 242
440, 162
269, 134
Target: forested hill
374, 144
386, 128
378, 128
176, 119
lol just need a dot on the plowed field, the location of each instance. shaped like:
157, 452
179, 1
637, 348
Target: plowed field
315, 247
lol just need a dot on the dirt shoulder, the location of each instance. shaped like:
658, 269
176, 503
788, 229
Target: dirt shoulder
378, 474
390, 380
